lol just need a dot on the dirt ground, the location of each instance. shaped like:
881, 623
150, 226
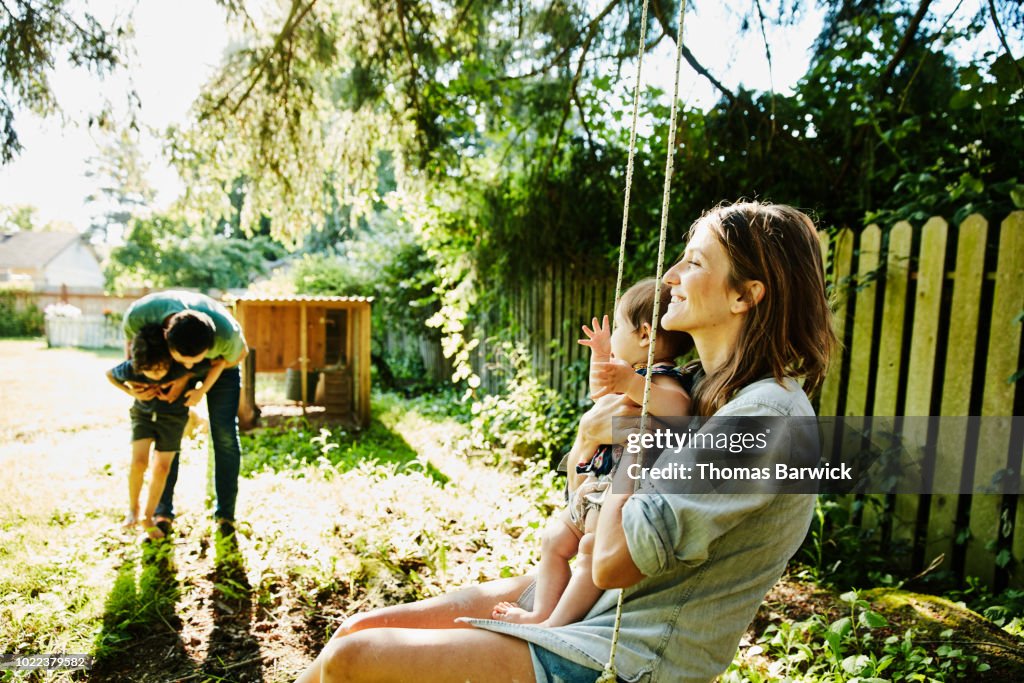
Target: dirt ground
64, 455
310, 548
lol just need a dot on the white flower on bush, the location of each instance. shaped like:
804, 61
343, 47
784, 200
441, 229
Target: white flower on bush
62, 310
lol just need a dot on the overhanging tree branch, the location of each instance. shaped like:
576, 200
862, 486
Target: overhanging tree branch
901, 51
290, 24
592, 31
588, 30
660, 15
413, 71
771, 74
1002, 39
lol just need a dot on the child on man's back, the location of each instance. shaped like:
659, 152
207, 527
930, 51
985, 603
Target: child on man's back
618, 364
158, 418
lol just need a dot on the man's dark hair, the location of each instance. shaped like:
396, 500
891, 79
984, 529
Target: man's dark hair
190, 333
149, 349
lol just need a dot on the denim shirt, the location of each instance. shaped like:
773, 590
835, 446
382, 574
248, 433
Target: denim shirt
708, 561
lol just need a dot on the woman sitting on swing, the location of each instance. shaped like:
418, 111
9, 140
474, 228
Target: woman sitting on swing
694, 568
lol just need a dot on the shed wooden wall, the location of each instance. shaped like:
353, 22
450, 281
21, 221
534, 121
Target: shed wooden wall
272, 330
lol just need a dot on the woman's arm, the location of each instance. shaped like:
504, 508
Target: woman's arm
613, 565
596, 428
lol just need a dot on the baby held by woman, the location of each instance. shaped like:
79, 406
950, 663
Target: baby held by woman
618, 365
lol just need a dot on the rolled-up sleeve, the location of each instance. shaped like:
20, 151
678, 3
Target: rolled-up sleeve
651, 530
665, 530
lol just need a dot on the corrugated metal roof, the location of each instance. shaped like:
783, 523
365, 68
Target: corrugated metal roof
33, 249
256, 298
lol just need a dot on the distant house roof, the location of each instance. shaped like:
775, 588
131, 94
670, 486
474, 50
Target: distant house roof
256, 298
33, 249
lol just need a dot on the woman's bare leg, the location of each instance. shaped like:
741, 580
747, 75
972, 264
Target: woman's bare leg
559, 544
393, 655
433, 613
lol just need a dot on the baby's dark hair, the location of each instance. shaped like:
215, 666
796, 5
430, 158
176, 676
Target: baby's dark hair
190, 333
149, 349
637, 308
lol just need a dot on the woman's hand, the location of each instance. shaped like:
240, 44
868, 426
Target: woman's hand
596, 424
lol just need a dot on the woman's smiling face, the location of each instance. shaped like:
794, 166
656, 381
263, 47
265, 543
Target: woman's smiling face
702, 298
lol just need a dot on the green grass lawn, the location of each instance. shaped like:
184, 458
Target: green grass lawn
333, 521
388, 515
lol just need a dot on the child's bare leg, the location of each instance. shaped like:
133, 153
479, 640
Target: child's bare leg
158, 477
140, 461
581, 593
558, 546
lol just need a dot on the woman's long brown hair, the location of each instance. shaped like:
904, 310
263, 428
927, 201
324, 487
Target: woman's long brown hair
789, 332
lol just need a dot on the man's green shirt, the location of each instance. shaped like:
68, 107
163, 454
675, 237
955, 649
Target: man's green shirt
228, 340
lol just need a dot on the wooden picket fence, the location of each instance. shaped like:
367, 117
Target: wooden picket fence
930, 319
545, 316
931, 322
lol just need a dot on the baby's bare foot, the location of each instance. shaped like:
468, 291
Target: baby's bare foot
130, 520
511, 612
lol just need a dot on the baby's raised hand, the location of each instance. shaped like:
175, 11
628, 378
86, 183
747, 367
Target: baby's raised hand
609, 378
599, 339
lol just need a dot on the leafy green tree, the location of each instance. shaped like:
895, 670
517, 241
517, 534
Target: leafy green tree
19, 218
34, 36
162, 251
25, 218
124, 191
464, 97
506, 127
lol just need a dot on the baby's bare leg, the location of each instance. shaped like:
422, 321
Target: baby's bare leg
558, 546
136, 473
580, 594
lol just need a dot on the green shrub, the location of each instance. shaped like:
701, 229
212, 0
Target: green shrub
297, 443
859, 647
26, 321
529, 421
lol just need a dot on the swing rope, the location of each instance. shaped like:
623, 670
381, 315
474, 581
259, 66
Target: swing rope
610, 674
632, 153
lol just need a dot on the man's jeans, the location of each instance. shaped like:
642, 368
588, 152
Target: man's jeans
222, 402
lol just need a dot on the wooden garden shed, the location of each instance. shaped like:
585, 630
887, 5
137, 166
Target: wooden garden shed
315, 337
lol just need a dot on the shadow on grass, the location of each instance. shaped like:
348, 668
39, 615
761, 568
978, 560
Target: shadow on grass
297, 443
234, 652
141, 628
